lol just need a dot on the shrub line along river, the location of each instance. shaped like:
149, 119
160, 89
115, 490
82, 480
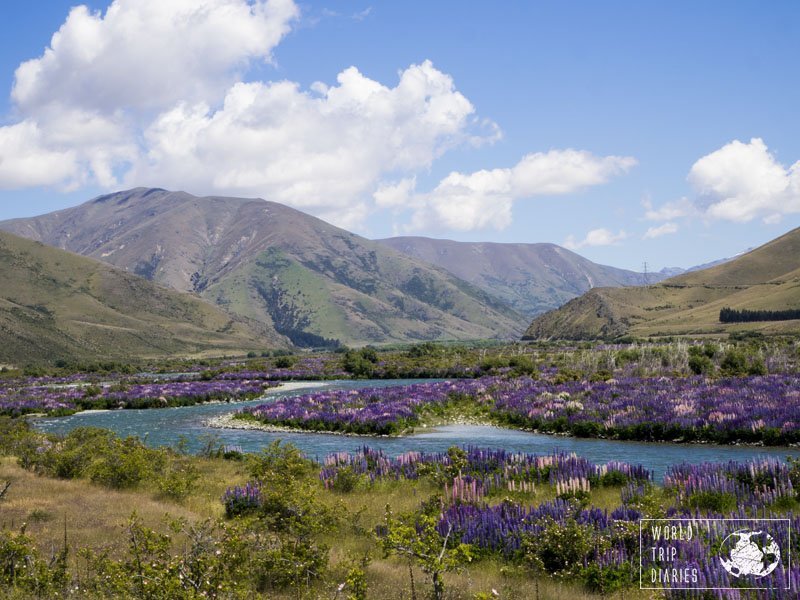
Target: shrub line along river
164, 426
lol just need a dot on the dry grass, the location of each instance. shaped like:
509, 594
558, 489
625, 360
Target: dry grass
215, 477
389, 580
95, 518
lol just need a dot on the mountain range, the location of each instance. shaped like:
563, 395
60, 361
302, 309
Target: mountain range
767, 278
531, 278
668, 272
58, 305
298, 276
284, 278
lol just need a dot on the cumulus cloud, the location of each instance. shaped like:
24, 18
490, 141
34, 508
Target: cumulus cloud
396, 194
656, 232
668, 211
151, 93
322, 150
25, 161
744, 181
484, 199
105, 77
739, 182
155, 93
596, 237
150, 54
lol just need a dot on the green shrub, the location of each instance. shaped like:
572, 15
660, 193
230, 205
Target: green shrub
360, 363
700, 364
630, 355
91, 391
13, 432
785, 504
211, 564
564, 375
415, 536
609, 579
424, 349
613, 478
718, 502
579, 497
757, 367
124, 464
522, 365
291, 563
23, 569
346, 480
734, 363
293, 508
68, 458
178, 480
279, 462
284, 362
104, 458
211, 445
601, 375
560, 549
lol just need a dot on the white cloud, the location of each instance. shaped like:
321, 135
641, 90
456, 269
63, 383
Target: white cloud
676, 209
153, 93
743, 181
484, 199
596, 237
324, 151
25, 161
397, 194
150, 94
361, 15
150, 54
564, 172
665, 229
103, 79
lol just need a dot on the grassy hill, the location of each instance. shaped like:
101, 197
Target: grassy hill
55, 304
531, 278
767, 278
292, 272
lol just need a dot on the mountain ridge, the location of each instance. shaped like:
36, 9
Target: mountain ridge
766, 278
296, 274
532, 278
57, 304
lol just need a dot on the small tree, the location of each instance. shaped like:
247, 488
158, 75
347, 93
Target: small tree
416, 536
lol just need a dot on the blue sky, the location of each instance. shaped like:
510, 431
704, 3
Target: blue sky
583, 123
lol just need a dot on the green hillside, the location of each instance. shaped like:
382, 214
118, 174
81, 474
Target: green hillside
531, 278
295, 274
767, 278
55, 304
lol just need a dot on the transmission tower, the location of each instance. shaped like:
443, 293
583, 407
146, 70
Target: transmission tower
645, 275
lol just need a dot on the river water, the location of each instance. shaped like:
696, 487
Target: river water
164, 426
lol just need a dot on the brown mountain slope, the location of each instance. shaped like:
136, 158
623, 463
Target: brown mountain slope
767, 278
532, 278
297, 274
55, 304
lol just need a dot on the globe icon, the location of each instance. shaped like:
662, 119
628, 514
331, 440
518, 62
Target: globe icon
749, 553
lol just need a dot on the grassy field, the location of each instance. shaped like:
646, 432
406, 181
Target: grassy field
96, 517
90, 515
58, 305
767, 278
